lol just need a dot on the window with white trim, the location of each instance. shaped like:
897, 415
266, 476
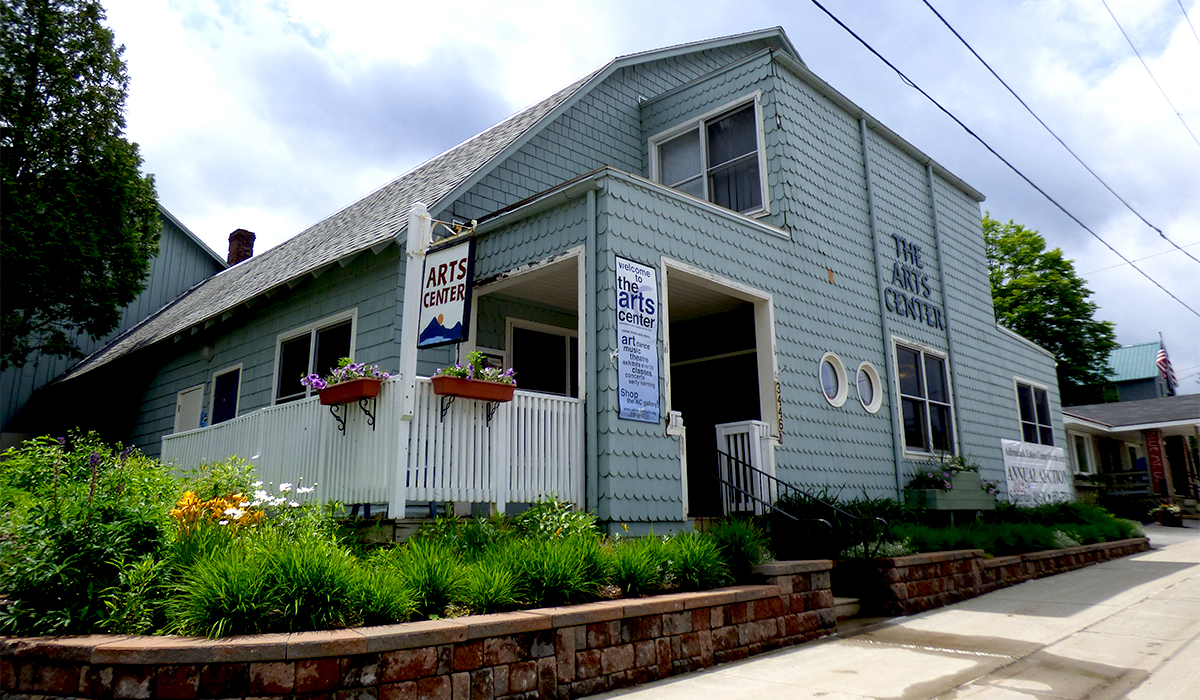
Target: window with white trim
925, 407
718, 157
544, 357
225, 394
1033, 402
315, 348
870, 388
1081, 454
833, 379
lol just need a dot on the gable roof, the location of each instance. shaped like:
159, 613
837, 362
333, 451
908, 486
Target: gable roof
1133, 362
1170, 409
375, 221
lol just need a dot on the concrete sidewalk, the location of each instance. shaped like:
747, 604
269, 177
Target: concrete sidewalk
1124, 628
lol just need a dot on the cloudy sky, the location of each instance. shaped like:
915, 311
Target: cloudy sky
272, 115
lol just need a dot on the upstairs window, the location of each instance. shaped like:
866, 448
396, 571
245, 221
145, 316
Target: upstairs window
313, 349
924, 400
718, 158
1034, 405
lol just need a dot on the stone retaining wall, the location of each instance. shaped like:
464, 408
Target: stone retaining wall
548, 653
912, 584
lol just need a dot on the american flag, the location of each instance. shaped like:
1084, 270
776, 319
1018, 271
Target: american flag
1164, 366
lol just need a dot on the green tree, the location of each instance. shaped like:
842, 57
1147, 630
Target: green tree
80, 221
1037, 294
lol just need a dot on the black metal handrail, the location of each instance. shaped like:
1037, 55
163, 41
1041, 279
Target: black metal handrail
784, 489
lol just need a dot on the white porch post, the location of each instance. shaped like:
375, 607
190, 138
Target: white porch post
419, 227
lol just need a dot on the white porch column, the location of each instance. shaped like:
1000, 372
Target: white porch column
420, 226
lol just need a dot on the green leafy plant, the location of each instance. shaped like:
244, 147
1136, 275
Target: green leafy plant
639, 566
695, 562
477, 368
429, 570
742, 545
550, 517
490, 586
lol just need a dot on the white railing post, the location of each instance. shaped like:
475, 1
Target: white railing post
419, 225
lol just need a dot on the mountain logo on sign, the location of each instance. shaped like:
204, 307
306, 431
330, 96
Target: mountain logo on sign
435, 332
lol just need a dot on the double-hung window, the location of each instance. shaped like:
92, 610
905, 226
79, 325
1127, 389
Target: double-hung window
1034, 406
718, 158
924, 400
313, 349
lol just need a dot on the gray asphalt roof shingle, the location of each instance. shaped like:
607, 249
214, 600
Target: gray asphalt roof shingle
1164, 410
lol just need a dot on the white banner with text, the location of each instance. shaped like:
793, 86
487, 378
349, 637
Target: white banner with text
1036, 474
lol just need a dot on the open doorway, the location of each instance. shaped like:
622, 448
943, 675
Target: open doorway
721, 368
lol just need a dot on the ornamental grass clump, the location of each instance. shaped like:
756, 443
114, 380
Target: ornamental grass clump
742, 545
695, 562
431, 572
639, 566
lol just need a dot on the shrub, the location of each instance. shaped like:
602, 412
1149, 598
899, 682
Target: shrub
430, 571
558, 571
550, 517
137, 604
695, 563
742, 545
638, 566
72, 512
383, 598
490, 586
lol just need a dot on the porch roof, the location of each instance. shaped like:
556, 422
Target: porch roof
1175, 415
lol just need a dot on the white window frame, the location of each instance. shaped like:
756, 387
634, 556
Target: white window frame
1139, 452
509, 356
952, 426
699, 123
311, 329
1017, 382
212, 394
1089, 450
876, 401
839, 372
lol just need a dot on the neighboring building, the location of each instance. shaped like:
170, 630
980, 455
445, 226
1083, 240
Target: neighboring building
1152, 442
814, 289
1136, 374
183, 260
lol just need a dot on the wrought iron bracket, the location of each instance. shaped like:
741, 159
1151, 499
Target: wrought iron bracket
340, 416
447, 400
341, 420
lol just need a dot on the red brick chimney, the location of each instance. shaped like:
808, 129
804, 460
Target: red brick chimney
241, 246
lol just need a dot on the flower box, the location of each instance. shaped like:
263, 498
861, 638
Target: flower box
472, 388
966, 494
349, 392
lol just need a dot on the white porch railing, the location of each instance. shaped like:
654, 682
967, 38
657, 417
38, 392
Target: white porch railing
745, 472
533, 446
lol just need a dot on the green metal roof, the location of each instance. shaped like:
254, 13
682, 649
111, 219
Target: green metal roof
1132, 362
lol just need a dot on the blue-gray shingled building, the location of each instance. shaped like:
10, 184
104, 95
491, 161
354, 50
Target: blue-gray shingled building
821, 309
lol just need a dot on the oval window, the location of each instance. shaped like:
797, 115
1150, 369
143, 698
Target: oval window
870, 389
833, 379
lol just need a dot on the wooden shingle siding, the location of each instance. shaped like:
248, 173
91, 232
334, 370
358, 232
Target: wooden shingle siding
368, 284
181, 263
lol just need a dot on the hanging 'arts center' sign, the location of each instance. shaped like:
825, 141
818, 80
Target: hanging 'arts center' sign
637, 341
446, 295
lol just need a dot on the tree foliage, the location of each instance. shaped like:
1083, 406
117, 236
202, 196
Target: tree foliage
80, 221
1037, 294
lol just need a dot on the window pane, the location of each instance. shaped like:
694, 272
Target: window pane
732, 136
540, 360
1047, 435
736, 186
939, 425
1081, 455
694, 187
914, 424
1029, 432
679, 159
1043, 406
293, 365
829, 380
1025, 400
333, 343
910, 373
225, 393
935, 379
866, 388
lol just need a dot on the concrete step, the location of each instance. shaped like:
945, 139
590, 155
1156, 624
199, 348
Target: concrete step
846, 608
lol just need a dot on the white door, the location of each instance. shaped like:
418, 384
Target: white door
188, 404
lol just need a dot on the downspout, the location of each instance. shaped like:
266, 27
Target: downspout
937, 251
885, 321
591, 351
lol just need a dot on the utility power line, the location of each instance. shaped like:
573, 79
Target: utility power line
1051, 132
1002, 159
1160, 88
